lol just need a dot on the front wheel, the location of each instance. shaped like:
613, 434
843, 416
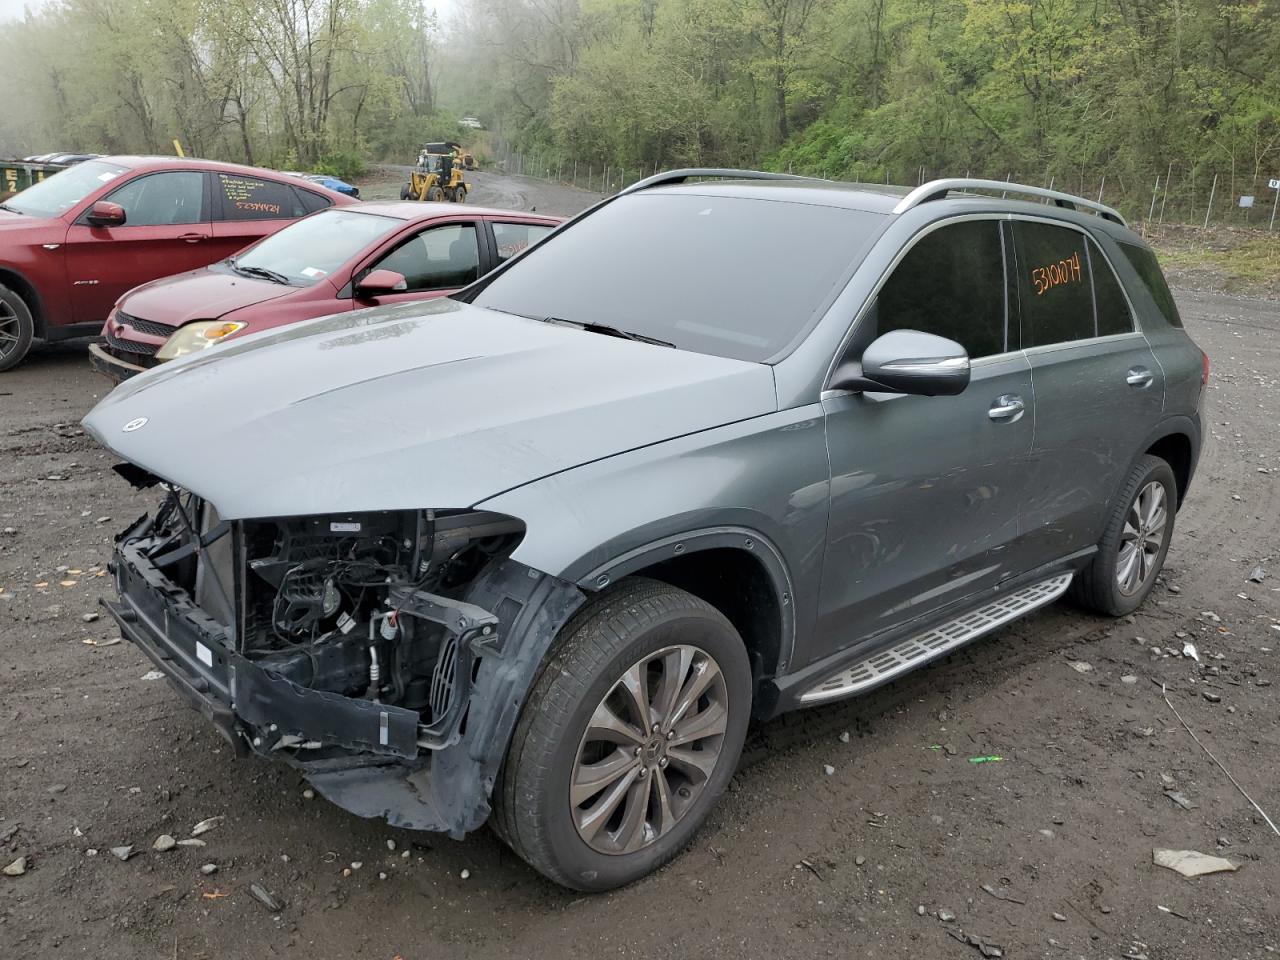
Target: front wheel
436, 195
16, 329
1134, 544
629, 736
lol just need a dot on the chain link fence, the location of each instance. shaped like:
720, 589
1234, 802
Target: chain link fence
545, 165
1182, 194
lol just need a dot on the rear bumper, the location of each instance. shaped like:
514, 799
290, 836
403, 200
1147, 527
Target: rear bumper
113, 368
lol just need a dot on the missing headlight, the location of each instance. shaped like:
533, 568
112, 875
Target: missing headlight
323, 598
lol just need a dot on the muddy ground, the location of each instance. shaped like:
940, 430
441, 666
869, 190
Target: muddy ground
796, 862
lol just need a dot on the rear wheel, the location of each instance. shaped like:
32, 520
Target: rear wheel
459, 194
629, 736
1134, 544
16, 329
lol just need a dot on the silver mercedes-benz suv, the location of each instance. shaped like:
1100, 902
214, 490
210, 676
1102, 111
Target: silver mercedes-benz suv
726, 445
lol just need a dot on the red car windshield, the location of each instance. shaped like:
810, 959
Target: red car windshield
306, 252
56, 195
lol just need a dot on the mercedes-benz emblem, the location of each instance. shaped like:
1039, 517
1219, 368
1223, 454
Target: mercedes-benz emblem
135, 424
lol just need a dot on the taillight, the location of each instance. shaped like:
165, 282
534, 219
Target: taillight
1204, 369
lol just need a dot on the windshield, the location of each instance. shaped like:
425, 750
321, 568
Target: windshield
309, 250
57, 194
730, 276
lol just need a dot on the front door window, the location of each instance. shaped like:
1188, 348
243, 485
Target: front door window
162, 199
442, 258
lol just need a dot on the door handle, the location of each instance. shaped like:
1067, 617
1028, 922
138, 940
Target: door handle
1008, 407
192, 237
1139, 377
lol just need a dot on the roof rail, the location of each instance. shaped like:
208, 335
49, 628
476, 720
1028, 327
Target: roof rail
717, 173
938, 189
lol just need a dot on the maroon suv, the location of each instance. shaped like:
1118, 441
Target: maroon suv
72, 244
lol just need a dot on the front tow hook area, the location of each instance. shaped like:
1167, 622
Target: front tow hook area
194, 689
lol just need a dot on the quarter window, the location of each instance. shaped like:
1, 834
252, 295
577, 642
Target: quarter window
951, 283
443, 258
1053, 284
250, 198
312, 201
161, 199
511, 238
1147, 268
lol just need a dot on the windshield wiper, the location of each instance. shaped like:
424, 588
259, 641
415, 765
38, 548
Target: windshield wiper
609, 331
9, 209
262, 272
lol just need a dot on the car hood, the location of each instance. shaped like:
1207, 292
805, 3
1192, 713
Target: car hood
202, 294
419, 405
19, 226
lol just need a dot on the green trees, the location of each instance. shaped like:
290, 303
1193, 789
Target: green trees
1063, 90
293, 83
1072, 91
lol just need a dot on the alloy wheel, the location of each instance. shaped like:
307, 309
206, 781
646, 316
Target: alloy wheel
649, 749
1142, 538
10, 331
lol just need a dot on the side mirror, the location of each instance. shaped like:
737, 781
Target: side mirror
907, 361
104, 213
382, 281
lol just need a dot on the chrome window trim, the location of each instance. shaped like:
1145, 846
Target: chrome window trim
1088, 341
994, 358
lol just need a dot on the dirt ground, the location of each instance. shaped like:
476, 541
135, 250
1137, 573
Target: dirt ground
888, 855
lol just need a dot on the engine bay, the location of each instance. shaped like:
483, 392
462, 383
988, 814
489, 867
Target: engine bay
318, 606
367, 607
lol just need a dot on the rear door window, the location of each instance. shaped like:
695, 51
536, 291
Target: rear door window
162, 199
511, 238
1148, 270
1054, 287
251, 198
442, 258
951, 284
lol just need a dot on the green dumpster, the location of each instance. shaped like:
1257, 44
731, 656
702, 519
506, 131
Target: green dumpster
16, 175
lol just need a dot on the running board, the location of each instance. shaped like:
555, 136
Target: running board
918, 650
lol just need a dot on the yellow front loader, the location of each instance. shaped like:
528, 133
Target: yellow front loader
437, 177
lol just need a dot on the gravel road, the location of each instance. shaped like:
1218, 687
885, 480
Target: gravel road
866, 861
492, 190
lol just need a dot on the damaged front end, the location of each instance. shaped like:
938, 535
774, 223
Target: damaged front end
369, 649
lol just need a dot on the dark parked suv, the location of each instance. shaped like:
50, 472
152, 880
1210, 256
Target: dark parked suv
726, 445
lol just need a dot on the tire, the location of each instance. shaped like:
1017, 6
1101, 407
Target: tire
1103, 585
435, 194
16, 329
406, 192
459, 194
643, 629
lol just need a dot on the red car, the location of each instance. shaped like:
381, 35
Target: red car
72, 244
359, 256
